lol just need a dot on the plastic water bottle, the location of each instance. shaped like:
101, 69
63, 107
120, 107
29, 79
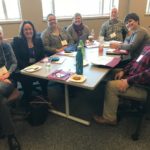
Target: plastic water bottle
101, 45
79, 61
92, 33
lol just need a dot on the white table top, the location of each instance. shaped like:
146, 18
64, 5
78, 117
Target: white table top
93, 74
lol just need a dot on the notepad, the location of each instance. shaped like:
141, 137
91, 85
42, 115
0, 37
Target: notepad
106, 61
116, 52
59, 75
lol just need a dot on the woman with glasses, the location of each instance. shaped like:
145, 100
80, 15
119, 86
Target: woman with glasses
54, 38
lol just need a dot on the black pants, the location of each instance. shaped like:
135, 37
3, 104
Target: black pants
27, 84
6, 122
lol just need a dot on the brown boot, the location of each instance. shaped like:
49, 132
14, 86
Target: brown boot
102, 120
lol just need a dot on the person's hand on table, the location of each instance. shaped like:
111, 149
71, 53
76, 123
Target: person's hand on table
115, 45
60, 49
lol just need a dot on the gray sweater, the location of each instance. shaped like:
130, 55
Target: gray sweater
7, 57
73, 34
52, 42
136, 41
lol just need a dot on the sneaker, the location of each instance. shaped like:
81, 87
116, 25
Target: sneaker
13, 143
102, 120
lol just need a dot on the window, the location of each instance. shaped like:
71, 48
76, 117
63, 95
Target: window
9, 10
67, 8
148, 7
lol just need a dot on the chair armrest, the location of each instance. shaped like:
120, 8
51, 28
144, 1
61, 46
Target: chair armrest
146, 87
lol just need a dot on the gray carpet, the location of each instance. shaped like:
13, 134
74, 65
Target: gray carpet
58, 133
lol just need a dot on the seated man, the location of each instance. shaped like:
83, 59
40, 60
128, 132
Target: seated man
113, 29
8, 64
136, 72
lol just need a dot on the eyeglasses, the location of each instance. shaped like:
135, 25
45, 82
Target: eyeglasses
51, 20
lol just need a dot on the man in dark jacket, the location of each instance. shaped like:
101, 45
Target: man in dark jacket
8, 64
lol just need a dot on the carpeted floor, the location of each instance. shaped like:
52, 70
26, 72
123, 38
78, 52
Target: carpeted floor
58, 133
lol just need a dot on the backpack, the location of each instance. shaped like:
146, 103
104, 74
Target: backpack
38, 111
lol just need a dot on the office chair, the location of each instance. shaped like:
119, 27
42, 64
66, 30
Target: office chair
13, 98
142, 105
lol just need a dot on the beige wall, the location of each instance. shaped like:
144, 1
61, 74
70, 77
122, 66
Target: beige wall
139, 7
32, 10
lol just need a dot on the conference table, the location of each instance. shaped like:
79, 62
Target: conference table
92, 73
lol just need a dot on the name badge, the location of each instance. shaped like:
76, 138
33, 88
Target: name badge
3, 71
113, 35
64, 43
139, 58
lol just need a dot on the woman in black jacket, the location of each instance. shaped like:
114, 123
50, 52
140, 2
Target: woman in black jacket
28, 48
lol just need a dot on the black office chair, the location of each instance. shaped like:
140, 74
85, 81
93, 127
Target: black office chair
141, 106
16, 113
124, 34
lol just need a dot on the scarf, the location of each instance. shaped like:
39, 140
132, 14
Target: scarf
78, 29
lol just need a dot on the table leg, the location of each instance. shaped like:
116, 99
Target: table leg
67, 112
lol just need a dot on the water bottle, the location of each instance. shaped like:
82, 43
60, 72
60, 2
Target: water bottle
92, 34
81, 44
79, 61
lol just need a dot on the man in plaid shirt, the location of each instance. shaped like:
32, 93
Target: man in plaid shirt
136, 72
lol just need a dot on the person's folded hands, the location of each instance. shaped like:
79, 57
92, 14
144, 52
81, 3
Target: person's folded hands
123, 85
119, 75
60, 49
5, 76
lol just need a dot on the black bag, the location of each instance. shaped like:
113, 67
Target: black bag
38, 111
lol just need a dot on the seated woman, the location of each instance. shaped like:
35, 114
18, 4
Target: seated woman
54, 38
77, 29
28, 49
8, 64
139, 36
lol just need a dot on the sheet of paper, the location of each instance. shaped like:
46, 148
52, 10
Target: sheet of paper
3, 70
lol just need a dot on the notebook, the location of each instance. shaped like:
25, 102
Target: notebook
106, 61
59, 75
117, 52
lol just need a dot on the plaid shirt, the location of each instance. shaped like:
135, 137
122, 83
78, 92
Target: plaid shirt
138, 70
